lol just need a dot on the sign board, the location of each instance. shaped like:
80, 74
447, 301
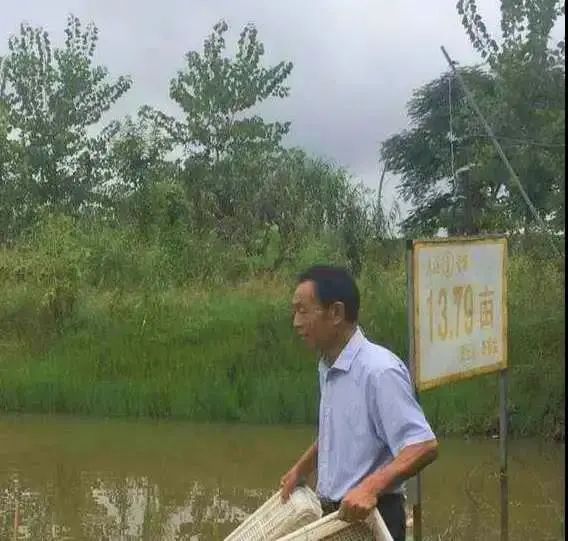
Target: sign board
460, 309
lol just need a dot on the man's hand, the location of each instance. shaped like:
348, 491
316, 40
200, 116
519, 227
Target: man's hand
357, 504
288, 483
304, 467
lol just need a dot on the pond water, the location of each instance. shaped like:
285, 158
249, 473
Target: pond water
71, 478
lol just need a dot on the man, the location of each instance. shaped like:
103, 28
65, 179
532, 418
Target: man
372, 433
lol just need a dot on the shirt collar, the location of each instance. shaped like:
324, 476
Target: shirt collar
349, 352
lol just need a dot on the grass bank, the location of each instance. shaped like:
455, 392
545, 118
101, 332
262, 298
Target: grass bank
76, 342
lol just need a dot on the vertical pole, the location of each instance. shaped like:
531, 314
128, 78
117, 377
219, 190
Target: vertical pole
417, 500
503, 477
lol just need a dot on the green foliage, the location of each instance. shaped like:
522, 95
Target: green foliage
233, 185
49, 98
525, 28
457, 181
464, 195
145, 191
121, 266
228, 150
145, 339
215, 93
51, 262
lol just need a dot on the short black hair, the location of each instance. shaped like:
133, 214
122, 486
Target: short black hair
334, 284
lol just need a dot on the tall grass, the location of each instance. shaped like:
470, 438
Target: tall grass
148, 331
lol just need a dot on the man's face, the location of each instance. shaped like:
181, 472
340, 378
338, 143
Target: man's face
313, 322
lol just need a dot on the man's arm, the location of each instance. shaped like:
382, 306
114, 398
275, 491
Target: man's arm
408, 463
360, 501
304, 467
403, 426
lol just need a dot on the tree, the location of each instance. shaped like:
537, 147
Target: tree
8, 179
216, 93
382, 221
458, 182
141, 174
526, 26
52, 99
445, 176
305, 197
226, 147
531, 82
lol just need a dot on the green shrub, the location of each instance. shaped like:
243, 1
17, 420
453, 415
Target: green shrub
101, 322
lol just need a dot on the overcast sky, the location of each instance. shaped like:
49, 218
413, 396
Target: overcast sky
356, 62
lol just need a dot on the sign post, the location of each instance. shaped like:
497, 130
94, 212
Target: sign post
503, 477
414, 486
457, 318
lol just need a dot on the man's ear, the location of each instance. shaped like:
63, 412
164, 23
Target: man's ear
338, 312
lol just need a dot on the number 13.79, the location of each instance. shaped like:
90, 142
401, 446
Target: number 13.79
448, 326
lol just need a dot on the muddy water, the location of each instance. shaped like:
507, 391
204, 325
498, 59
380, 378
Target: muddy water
69, 478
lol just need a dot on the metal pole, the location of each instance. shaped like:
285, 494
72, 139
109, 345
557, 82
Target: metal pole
417, 500
503, 477
500, 151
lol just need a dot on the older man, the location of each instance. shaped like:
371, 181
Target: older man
372, 432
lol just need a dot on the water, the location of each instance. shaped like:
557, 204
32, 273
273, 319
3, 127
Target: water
68, 478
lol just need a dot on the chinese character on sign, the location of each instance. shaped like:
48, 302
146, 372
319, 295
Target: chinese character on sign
433, 266
443, 264
489, 347
486, 309
462, 262
467, 353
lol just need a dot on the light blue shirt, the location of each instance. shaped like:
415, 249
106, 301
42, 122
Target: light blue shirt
368, 414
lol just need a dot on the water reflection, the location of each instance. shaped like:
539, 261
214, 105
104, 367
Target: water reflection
67, 479
123, 510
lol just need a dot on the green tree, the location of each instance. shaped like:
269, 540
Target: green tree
225, 145
142, 176
53, 99
7, 180
526, 27
445, 176
458, 182
383, 221
306, 197
217, 93
530, 114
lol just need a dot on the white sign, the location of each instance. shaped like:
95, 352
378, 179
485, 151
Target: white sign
460, 309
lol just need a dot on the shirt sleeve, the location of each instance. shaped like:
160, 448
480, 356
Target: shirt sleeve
397, 416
